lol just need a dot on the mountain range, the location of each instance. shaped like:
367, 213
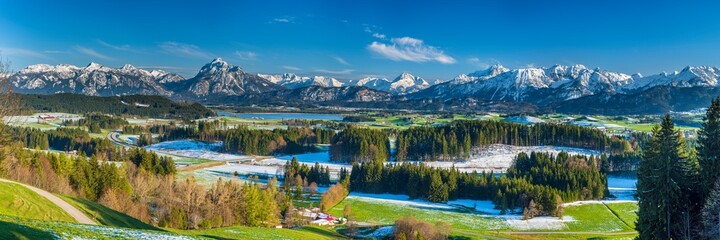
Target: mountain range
555, 88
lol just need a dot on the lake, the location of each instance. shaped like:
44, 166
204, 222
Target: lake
284, 116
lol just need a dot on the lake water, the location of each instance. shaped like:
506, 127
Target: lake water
284, 116
622, 186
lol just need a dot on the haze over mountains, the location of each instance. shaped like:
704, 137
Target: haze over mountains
554, 86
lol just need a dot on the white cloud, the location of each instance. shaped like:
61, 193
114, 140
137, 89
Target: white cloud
184, 50
125, 47
410, 49
341, 61
344, 71
285, 19
22, 53
292, 68
92, 53
379, 35
246, 55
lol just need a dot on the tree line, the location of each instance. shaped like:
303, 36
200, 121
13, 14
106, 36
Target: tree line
360, 145
96, 122
456, 140
63, 139
242, 139
159, 107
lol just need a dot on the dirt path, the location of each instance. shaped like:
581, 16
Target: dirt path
72, 211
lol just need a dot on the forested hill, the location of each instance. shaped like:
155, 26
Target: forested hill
136, 105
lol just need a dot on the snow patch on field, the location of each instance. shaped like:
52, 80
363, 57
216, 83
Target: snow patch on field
378, 233
538, 223
578, 203
120, 233
196, 149
499, 157
247, 169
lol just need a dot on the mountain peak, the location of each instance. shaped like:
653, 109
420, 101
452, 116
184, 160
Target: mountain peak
93, 66
128, 67
405, 75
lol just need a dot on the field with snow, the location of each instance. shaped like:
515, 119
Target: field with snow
480, 216
498, 157
196, 149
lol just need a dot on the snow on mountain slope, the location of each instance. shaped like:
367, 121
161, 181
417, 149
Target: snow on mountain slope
499, 83
403, 84
218, 78
689, 77
407, 83
293, 81
94, 79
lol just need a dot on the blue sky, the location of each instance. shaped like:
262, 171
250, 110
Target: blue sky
350, 39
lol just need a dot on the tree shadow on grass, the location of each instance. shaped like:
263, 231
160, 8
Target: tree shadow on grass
9, 230
321, 232
110, 217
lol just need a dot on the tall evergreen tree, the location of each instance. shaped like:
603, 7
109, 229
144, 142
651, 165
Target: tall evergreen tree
708, 149
664, 181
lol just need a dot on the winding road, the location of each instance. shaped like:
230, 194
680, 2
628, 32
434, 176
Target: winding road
72, 211
114, 136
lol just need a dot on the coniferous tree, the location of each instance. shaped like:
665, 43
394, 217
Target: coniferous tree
708, 149
665, 178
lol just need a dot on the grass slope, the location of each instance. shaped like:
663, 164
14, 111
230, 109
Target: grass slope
19, 201
380, 213
594, 218
626, 211
240, 232
104, 215
23, 228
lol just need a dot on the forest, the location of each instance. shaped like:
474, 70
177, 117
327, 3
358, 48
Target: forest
455, 141
360, 145
159, 107
96, 122
244, 140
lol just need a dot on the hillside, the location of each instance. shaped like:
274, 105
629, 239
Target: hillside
137, 105
19, 201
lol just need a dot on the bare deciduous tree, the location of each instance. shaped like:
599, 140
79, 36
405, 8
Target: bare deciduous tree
8, 103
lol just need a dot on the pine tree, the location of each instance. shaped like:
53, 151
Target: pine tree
711, 214
664, 177
708, 149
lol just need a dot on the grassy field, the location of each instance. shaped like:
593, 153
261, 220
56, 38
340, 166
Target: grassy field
19, 201
104, 215
380, 213
627, 212
239, 232
23, 228
594, 218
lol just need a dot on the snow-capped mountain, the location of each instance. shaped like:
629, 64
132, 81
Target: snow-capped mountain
479, 75
526, 84
559, 87
293, 81
94, 79
403, 84
218, 78
689, 77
